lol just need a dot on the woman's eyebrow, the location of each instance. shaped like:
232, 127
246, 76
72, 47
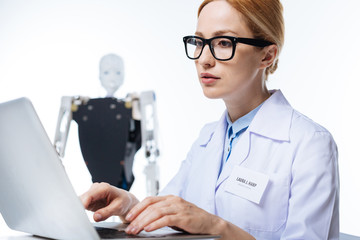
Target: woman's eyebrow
222, 32
217, 33
199, 34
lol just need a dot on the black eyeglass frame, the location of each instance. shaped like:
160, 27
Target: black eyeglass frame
248, 41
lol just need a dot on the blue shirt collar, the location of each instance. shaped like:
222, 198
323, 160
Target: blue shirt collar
240, 124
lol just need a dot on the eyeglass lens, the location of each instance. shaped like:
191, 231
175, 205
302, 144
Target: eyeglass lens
221, 48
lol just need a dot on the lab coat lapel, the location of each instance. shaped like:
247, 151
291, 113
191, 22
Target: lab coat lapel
275, 111
213, 152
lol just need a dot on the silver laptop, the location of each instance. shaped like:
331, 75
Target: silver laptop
36, 194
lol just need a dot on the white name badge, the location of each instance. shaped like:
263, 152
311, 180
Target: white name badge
247, 184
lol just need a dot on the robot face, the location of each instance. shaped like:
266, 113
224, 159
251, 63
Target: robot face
111, 73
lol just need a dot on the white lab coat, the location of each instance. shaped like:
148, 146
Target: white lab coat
300, 158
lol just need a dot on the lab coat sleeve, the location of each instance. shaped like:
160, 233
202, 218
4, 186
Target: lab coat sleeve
177, 184
313, 201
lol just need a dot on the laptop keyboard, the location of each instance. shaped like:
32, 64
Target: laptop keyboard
109, 233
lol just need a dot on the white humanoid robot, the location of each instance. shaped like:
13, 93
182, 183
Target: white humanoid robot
111, 130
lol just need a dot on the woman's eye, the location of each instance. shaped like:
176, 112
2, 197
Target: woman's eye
225, 43
195, 42
198, 43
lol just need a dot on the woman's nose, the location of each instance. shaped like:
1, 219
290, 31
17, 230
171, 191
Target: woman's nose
206, 58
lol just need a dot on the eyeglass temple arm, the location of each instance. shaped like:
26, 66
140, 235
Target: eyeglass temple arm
254, 42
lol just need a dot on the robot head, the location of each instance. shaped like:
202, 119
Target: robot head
111, 73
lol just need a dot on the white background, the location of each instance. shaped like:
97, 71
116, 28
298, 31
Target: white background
50, 49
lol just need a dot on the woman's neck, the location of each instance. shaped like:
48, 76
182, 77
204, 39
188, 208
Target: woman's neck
245, 103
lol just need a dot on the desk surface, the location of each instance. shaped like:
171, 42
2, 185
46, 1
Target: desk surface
7, 234
20, 237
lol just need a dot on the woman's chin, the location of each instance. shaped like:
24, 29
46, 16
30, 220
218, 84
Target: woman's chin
211, 94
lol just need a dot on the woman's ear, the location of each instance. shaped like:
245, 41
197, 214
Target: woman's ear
270, 53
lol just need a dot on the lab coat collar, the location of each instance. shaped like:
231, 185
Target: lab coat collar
276, 111
219, 127
273, 120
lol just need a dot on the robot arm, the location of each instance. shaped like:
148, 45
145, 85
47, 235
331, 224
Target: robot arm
68, 105
144, 109
63, 125
149, 135
149, 128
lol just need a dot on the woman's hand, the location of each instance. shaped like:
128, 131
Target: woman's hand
106, 200
157, 212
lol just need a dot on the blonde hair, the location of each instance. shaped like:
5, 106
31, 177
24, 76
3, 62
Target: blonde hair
265, 20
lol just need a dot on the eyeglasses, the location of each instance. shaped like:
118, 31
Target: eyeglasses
221, 47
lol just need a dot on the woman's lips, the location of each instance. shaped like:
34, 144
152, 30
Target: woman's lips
207, 78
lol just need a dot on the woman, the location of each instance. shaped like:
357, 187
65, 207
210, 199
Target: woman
262, 171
